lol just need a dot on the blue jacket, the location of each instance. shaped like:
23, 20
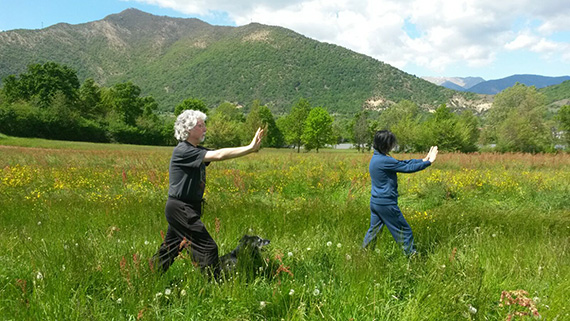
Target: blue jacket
383, 171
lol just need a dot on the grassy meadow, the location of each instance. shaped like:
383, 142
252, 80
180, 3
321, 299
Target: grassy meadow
79, 221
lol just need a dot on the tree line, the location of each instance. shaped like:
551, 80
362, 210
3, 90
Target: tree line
48, 101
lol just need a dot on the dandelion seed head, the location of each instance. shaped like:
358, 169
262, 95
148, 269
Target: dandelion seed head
290, 254
39, 276
119, 301
316, 292
472, 309
167, 292
291, 292
348, 257
262, 304
329, 243
339, 245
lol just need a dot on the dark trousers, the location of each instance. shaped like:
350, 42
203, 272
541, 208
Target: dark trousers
185, 229
391, 216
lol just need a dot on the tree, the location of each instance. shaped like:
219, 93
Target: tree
563, 117
404, 110
41, 83
362, 133
125, 101
90, 100
443, 130
223, 131
318, 129
516, 122
11, 90
230, 110
294, 123
191, 103
404, 119
261, 116
468, 126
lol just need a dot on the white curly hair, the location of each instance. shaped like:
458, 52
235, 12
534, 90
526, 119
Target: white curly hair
185, 122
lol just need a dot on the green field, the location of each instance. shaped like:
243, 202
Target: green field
79, 221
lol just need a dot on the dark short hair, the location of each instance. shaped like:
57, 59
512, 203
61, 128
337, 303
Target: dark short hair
384, 141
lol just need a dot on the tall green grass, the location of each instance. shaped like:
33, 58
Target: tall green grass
78, 226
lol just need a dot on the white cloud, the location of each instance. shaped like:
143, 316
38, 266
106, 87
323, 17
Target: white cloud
466, 32
548, 49
522, 41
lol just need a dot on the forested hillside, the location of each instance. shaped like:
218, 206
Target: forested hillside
172, 59
558, 94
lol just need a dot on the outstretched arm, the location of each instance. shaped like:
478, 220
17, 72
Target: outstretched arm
227, 153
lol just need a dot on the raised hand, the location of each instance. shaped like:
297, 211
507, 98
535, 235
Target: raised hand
432, 154
256, 142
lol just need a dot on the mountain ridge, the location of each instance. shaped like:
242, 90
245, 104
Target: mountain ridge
495, 86
176, 58
491, 87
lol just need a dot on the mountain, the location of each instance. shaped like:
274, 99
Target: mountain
557, 95
175, 58
455, 83
492, 87
452, 85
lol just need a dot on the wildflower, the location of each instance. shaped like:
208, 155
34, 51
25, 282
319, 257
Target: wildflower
348, 257
146, 242
159, 294
329, 243
291, 292
316, 292
39, 276
183, 293
339, 245
167, 292
494, 235
308, 249
290, 254
119, 301
472, 309
39, 222
262, 304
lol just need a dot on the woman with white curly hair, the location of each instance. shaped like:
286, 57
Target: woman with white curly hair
187, 182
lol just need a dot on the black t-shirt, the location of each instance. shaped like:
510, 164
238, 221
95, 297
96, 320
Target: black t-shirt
187, 179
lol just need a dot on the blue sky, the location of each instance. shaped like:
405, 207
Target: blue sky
439, 38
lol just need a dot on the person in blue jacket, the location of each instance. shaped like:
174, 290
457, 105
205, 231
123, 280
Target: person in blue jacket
384, 208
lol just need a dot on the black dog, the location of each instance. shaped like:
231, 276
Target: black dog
246, 257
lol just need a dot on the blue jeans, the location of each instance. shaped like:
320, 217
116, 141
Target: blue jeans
391, 216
